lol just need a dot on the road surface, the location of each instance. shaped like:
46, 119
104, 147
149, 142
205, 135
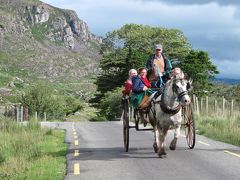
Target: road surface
96, 153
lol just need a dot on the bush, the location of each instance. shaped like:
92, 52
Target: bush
40, 98
110, 105
72, 105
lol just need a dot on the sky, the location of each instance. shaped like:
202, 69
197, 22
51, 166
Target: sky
209, 25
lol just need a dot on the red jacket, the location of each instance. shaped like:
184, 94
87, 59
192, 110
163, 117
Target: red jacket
127, 87
146, 82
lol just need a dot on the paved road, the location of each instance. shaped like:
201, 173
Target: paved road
96, 153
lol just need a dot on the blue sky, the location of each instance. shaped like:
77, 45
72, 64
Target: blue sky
210, 25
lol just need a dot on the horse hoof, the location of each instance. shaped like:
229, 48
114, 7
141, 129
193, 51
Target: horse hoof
162, 155
155, 148
172, 148
173, 145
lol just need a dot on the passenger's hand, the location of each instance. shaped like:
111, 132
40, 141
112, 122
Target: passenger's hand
145, 88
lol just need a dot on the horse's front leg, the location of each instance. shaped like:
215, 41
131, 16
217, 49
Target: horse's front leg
176, 136
156, 140
162, 142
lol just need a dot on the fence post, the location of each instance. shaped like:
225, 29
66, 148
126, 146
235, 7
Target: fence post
17, 113
194, 103
36, 116
197, 106
21, 114
201, 105
231, 110
223, 105
25, 114
215, 107
207, 105
45, 116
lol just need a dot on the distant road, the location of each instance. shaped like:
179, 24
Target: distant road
96, 153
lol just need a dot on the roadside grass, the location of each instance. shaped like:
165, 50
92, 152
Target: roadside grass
31, 152
220, 128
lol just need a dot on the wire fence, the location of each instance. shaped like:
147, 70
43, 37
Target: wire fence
215, 106
21, 113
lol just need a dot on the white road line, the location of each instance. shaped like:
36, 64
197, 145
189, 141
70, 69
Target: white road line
74, 133
75, 137
76, 169
76, 142
76, 152
201, 142
234, 154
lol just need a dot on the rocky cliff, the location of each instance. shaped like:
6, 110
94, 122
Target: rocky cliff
40, 41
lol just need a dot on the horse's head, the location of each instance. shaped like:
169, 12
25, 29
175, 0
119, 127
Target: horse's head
180, 87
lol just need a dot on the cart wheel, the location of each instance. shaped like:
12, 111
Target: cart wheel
189, 122
126, 124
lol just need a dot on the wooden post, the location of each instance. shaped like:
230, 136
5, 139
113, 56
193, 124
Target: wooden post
25, 114
45, 116
215, 107
36, 116
194, 102
223, 105
197, 106
207, 105
201, 105
21, 113
17, 113
231, 110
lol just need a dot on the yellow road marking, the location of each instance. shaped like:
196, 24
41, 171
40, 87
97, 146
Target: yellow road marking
234, 154
204, 143
76, 169
76, 142
76, 152
75, 137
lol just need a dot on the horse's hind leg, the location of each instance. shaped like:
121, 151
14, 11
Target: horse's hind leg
176, 136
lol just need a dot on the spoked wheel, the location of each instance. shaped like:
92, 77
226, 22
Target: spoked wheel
126, 124
189, 123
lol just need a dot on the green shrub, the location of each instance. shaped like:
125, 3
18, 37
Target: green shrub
110, 105
41, 98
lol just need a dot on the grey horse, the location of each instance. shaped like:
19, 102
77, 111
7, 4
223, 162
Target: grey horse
166, 112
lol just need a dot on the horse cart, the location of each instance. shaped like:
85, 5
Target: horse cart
188, 122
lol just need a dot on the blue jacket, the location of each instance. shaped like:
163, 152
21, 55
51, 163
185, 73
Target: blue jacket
137, 84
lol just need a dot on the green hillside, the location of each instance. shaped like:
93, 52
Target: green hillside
39, 42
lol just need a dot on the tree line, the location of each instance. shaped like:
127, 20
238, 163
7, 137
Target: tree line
130, 46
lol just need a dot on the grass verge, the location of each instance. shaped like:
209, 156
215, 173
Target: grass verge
31, 152
221, 129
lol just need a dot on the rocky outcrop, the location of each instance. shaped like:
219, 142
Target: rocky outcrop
64, 25
38, 14
68, 38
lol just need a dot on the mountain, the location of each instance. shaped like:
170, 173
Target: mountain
42, 42
227, 81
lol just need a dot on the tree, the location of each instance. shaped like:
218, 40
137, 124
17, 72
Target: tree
40, 98
198, 66
110, 106
129, 47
